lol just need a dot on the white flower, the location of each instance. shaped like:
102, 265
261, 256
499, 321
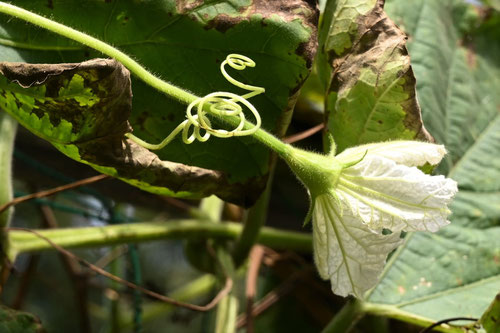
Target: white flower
363, 191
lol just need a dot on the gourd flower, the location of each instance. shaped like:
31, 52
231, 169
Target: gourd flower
361, 200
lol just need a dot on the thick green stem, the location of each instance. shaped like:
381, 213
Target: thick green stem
227, 312
8, 128
227, 309
254, 221
23, 241
211, 208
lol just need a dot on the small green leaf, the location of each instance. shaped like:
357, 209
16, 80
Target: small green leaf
371, 95
12, 321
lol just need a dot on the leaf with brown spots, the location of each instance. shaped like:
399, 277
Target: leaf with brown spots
371, 88
83, 109
184, 42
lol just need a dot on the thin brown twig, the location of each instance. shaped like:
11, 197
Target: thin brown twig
43, 194
111, 256
74, 269
222, 293
176, 203
305, 134
256, 255
271, 298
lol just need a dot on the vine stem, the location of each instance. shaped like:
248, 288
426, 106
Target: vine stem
8, 128
22, 241
391, 311
169, 89
254, 221
80, 37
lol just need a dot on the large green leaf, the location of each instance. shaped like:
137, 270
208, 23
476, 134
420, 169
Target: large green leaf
184, 42
455, 272
83, 109
371, 90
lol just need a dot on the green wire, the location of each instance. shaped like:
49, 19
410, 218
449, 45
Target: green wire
54, 174
137, 278
133, 256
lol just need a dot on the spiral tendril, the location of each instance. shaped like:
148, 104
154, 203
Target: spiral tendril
219, 104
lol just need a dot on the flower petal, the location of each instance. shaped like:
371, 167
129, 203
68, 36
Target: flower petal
345, 251
387, 195
409, 153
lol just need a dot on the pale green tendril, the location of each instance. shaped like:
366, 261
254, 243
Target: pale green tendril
219, 104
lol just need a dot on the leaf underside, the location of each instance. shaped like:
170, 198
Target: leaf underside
83, 109
184, 43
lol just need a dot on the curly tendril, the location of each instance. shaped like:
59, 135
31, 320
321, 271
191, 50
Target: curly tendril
220, 104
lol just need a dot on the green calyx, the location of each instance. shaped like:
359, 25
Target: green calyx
319, 173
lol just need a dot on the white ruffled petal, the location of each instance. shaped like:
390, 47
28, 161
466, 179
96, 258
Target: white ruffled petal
409, 153
345, 251
386, 195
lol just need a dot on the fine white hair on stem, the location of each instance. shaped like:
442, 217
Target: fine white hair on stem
218, 104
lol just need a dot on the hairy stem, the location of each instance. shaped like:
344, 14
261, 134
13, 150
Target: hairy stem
169, 89
22, 241
80, 37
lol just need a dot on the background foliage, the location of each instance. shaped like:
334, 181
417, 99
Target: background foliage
453, 47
